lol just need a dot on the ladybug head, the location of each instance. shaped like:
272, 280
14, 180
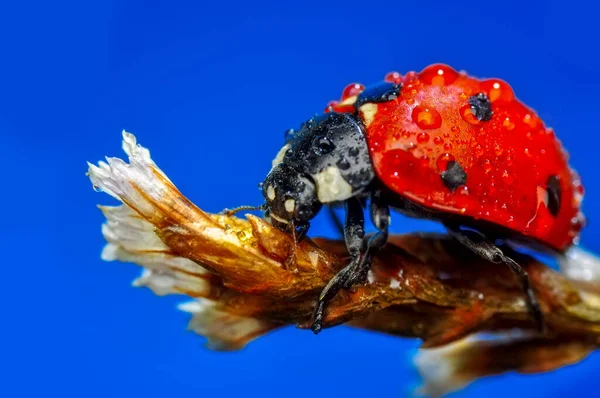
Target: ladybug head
326, 161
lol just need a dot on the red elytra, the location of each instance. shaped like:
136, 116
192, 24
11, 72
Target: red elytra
508, 160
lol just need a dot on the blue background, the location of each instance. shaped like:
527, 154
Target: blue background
210, 90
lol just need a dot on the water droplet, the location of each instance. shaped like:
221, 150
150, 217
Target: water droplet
464, 190
437, 140
396, 136
454, 129
422, 137
241, 235
498, 91
498, 149
393, 77
487, 166
411, 77
463, 96
442, 161
353, 151
447, 146
343, 164
468, 114
351, 90
426, 117
438, 75
289, 134
508, 124
331, 105
531, 120
410, 101
478, 150
527, 152
507, 178
405, 134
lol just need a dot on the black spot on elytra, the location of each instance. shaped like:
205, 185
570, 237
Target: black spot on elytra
454, 176
381, 92
481, 106
554, 194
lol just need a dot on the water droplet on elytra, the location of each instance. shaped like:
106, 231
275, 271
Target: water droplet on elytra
426, 117
478, 150
507, 178
442, 161
351, 90
498, 150
508, 124
437, 140
422, 137
487, 166
438, 75
468, 114
393, 77
498, 91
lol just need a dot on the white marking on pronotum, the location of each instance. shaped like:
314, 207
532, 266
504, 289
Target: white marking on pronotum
331, 186
280, 155
271, 192
368, 112
290, 205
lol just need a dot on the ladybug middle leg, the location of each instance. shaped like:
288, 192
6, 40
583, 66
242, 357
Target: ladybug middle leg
361, 251
487, 250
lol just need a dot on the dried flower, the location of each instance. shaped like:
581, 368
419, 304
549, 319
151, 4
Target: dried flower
247, 278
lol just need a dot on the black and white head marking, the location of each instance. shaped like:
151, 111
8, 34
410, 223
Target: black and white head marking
326, 161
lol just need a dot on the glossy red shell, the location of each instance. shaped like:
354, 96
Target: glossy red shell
508, 159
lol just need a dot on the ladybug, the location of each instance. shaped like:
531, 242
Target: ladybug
439, 145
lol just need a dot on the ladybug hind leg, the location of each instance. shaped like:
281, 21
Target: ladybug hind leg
361, 251
488, 250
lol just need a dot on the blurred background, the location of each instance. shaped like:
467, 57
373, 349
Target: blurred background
210, 87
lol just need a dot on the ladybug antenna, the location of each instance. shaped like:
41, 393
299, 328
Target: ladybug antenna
231, 212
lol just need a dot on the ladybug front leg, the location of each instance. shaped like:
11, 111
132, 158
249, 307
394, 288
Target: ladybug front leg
486, 249
380, 217
361, 254
354, 233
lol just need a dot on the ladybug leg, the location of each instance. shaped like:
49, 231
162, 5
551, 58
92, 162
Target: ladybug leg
380, 216
489, 251
354, 232
360, 252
